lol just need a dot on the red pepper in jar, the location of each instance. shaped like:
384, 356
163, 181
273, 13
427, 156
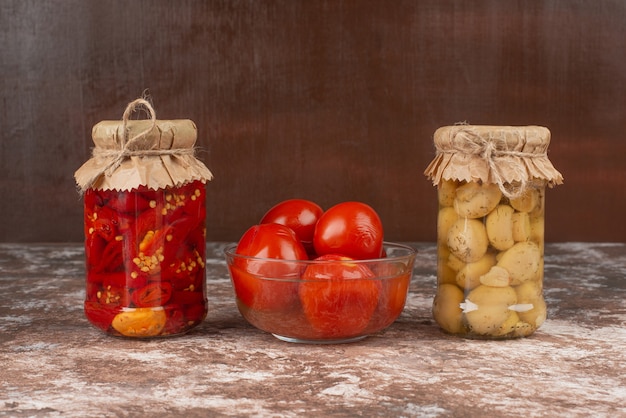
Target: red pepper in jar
128, 202
187, 297
151, 258
94, 247
118, 278
153, 294
99, 315
175, 319
105, 223
111, 258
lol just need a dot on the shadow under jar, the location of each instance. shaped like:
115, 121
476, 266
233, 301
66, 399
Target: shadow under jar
491, 183
145, 233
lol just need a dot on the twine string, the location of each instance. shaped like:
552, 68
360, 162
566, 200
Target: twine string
468, 142
117, 156
132, 106
109, 153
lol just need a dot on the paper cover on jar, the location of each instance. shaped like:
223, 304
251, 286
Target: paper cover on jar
503, 155
132, 153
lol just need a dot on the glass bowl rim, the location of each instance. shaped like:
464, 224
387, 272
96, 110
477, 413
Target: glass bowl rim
229, 252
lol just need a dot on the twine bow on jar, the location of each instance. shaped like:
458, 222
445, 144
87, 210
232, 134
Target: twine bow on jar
501, 167
507, 156
158, 153
126, 150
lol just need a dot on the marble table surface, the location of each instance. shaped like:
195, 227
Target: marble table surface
54, 364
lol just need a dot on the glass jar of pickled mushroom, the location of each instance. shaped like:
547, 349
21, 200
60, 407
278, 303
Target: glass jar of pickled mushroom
144, 222
491, 183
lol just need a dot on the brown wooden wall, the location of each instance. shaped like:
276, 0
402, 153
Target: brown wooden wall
327, 100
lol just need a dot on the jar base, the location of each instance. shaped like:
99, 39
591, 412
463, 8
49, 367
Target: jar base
469, 336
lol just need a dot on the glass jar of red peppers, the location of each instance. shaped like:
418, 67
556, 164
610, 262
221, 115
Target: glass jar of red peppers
144, 241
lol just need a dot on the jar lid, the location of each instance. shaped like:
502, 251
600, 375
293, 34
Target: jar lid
509, 156
131, 153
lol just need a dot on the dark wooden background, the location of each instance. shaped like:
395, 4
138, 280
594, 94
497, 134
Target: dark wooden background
326, 100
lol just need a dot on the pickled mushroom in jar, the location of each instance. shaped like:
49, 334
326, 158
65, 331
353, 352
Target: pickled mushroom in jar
467, 240
486, 308
447, 308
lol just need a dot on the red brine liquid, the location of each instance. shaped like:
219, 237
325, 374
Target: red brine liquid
145, 260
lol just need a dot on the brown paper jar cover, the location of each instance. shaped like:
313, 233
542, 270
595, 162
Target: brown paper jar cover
159, 154
503, 155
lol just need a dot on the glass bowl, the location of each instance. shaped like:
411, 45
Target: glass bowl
322, 301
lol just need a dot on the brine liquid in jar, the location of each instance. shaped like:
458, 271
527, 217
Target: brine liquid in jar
490, 260
145, 260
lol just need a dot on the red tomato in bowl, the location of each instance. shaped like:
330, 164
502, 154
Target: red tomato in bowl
353, 229
264, 282
271, 241
300, 215
338, 298
395, 281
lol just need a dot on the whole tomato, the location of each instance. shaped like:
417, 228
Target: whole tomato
339, 297
395, 281
300, 215
263, 282
353, 229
